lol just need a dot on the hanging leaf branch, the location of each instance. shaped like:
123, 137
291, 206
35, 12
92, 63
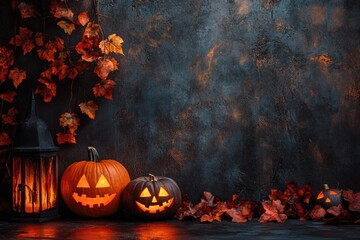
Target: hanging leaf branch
61, 62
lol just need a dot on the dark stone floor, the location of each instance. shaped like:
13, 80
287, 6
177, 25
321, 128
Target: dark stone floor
173, 229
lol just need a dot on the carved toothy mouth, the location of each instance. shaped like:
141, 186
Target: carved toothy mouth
155, 208
91, 201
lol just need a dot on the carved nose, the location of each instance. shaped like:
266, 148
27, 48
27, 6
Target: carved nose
154, 200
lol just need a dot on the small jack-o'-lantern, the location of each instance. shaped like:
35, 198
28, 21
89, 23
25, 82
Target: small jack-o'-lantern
93, 188
151, 198
329, 197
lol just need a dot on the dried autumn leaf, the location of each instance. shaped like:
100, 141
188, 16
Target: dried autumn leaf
275, 194
47, 87
112, 44
317, 213
104, 89
210, 218
67, 137
105, 66
68, 27
89, 108
39, 39
17, 76
186, 209
9, 117
91, 30
4, 139
83, 18
69, 120
6, 57
23, 39
273, 212
353, 199
59, 10
88, 48
27, 10
8, 96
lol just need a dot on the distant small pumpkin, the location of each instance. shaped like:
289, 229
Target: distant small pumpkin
92, 188
329, 197
151, 197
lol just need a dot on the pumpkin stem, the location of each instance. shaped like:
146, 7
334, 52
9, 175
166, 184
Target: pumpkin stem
152, 177
93, 154
326, 187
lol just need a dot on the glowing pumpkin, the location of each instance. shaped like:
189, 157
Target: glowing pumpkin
329, 197
151, 198
93, 188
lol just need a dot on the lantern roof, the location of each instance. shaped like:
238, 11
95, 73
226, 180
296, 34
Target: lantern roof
33, 134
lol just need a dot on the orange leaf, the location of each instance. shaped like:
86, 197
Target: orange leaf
68, 27
39, 39
9, 117
8, 96
112, 44
3, 74
83, 18
104, 89
4, 139
23, 39
88, 48
47, 88
91, 30
105, 66
69, 120
67, 137
273, 212
27, 10
60, 10
89, 108
6, 57
17, 76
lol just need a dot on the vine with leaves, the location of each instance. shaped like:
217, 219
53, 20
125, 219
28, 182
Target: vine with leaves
94, 52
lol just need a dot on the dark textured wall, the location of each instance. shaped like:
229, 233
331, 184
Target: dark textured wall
232, 95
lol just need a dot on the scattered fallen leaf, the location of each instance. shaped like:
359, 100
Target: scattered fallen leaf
274, 211
317, 213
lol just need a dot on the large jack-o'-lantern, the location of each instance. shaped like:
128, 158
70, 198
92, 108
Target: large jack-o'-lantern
93, 188
151, 198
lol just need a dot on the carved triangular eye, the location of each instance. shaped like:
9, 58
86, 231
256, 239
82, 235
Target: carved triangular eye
320, 196
163, 192
145, 193
103, 182
332, 192
83, 183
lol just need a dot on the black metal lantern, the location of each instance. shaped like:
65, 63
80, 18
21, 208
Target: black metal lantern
34, 171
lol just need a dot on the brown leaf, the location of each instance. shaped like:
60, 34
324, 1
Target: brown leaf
9, 117
317, 213
336, 210
68, 27
47, 87
8, 96
69, 120
67, 137
27, 10
186, 209
89, 108
83, 18
60, 10
105, 66
210, 218
17, 76
88, 48
4, 139
39, 39
91, 30
104, 89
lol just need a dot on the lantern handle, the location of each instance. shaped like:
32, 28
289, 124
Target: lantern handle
152, 177
93, 154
